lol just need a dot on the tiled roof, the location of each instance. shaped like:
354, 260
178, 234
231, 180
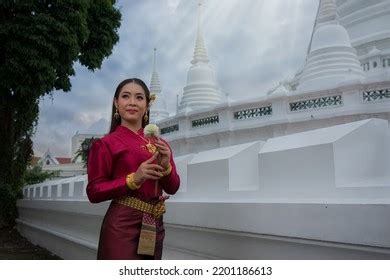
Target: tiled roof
61, 160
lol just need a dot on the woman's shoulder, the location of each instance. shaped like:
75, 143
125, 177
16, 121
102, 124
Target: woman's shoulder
109, 138
98, 144
110, 141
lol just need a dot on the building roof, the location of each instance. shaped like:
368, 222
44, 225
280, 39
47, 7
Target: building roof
61, 160
64, 160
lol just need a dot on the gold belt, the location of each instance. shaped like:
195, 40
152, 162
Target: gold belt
157, 210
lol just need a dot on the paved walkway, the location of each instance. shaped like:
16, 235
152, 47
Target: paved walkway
13, 246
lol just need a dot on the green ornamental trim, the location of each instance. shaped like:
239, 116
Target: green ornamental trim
253, 113
376, 95
316, 103
169, 129
205, 121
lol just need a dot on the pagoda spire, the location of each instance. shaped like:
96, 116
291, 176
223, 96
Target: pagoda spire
200, 52
327, 12
155, 86
158, 110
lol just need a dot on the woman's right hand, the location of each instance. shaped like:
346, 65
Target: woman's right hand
148, 170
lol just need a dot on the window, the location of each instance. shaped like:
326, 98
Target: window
47, 162
374, 64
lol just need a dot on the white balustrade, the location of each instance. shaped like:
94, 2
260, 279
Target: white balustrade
274, 115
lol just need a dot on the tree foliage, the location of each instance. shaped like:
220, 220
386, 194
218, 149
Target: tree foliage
35, 175
40, 42
83, 151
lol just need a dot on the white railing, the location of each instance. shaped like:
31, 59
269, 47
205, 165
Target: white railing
265, 115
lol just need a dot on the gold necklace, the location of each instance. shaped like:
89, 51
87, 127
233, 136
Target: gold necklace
151, 148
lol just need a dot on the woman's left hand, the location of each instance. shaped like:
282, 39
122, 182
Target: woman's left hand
164, 157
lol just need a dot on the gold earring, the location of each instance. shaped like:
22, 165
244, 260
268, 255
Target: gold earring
146, 117
116, 115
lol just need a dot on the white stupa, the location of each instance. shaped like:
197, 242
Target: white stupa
158, 111
201, 90
331, 59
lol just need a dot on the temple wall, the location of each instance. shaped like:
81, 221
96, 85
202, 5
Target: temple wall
319, 194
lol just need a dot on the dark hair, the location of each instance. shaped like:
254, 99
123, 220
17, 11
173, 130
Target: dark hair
115, 122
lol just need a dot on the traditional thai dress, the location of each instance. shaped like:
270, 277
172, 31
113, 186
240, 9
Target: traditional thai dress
110, 160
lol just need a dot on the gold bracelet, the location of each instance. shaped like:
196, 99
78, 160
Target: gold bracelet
167, 171
131, 183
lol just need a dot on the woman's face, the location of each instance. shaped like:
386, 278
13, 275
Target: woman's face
131, 104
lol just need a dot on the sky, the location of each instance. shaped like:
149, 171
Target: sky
252, 46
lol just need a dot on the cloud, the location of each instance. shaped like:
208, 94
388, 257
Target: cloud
172, 5
252, 45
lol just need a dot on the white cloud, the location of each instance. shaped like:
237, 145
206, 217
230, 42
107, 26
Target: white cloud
172, 5
252, 45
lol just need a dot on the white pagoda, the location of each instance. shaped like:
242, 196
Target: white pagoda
201, 90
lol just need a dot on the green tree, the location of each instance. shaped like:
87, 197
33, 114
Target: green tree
34, 175
83, 151
40, 42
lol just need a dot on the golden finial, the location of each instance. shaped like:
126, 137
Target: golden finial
153, 97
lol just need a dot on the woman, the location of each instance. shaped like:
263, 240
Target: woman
129, 169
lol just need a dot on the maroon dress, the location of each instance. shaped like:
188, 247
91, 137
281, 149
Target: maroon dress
110, 160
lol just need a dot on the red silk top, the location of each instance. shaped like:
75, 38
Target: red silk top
116, 155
